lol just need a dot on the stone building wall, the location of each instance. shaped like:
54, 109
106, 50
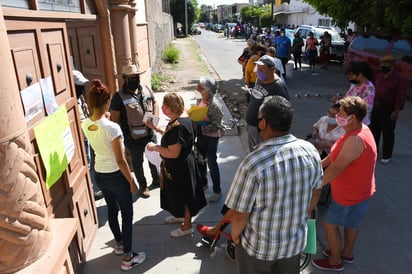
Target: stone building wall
160, 27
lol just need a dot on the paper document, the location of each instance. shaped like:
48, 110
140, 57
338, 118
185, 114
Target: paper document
150, 116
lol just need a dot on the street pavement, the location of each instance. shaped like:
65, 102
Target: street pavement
384, 239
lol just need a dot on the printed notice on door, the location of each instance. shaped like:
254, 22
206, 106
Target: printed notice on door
55, 142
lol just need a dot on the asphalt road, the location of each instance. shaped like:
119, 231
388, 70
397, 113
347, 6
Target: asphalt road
385, 236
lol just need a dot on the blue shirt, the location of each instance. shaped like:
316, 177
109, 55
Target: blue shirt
282, 46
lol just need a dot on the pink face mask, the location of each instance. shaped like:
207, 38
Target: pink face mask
341, 121
164, 109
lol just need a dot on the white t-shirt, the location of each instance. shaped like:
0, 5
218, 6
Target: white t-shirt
101, 142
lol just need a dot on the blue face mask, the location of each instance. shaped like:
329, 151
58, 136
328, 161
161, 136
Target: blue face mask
261, 75
331, 121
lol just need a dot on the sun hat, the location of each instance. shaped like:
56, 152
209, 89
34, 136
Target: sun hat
130, 69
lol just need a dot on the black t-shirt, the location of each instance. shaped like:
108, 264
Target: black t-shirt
259, 92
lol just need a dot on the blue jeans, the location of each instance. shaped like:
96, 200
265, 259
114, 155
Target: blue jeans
116, 191
136, 148
90, 160
347, 216
208, 149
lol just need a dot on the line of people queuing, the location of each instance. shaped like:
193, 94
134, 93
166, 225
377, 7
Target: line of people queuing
277, 160
349, 138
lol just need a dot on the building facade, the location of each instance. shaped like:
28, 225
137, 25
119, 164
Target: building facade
230, 13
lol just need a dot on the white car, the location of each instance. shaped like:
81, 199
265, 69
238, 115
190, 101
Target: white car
195, 29
337, 50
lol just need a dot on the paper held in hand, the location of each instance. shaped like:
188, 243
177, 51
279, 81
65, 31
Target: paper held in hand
150, 116
153, 157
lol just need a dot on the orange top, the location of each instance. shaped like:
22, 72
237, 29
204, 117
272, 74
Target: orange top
250, 74
357, 182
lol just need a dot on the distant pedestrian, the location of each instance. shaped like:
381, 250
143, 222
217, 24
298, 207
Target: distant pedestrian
311, 51
246, 54
283, 49
390, 96
325, 45
349, 38
350, 169
297, 50
279, 70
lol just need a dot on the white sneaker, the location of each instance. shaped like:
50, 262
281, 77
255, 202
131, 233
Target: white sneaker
129, 262
385, 161
173, 219
178, 232
214, 197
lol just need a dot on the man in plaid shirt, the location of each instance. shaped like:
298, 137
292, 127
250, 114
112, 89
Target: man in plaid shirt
274, 189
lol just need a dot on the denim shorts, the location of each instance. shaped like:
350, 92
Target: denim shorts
347, 216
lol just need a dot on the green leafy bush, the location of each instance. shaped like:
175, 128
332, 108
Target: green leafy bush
171, 54
157, 80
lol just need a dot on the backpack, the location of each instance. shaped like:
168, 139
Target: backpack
136, 105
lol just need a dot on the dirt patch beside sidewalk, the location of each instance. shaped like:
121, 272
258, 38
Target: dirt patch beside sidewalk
185, 75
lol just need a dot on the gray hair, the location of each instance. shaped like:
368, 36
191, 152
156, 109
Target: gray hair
271, 50
209, 84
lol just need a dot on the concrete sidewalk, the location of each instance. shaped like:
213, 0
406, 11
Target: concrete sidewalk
151, 234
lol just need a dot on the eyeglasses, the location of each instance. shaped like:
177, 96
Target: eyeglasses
330, 114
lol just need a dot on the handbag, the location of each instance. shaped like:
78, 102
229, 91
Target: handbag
311, 237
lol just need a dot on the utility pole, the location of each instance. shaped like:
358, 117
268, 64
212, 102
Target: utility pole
271, 15
186, 27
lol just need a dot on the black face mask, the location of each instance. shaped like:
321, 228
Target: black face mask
385, 69
132, 83
354, 81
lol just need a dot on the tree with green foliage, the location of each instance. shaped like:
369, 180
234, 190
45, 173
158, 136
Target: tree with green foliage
177, 10
258, 15
387, 16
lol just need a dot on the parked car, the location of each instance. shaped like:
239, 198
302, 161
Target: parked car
219, 28
195, 29
337, 50
371, 47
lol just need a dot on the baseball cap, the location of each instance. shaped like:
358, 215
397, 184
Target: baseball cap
266, 60
79, 78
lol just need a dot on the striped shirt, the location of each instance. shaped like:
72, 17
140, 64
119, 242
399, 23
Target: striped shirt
274, 184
